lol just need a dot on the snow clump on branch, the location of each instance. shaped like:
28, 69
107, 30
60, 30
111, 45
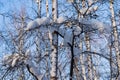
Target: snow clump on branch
43, 21
38, 22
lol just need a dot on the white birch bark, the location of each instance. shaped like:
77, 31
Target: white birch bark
39, 7
111, 63
87, 41
47, 8
82, 63
54, 55
81, 47
115, 33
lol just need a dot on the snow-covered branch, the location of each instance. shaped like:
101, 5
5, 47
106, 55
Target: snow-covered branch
37, 22
61, 27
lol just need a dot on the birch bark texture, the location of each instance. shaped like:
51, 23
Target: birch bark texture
89, 57
54, 55
87, 41
39, 7
82, 62
47, 8
115, 33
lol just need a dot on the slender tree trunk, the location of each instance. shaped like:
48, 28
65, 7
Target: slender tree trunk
111, 64
47, 9
87, 41
82, 63
115, 33
81, 45
55, 44
111, 58
95, 70
92, 69
54, 10
95, 73
89, 58
83, 67
39, 7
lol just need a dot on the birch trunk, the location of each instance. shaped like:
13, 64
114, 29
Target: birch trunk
111, 58
82, 63
89, 58
54, 54
111, 64
87, 41
47, 9
81, 48
39, 7
115, 33
93, 68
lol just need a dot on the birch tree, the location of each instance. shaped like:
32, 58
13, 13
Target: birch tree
115, 33
87, 41
54, 54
